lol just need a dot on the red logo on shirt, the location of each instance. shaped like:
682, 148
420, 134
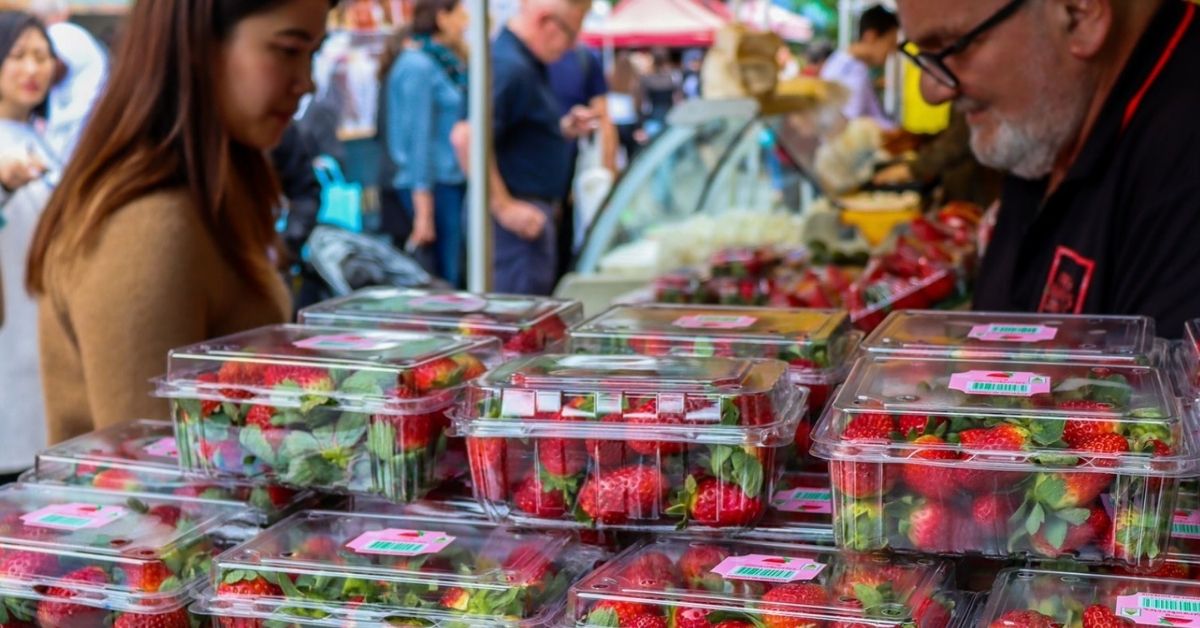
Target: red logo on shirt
1068, 282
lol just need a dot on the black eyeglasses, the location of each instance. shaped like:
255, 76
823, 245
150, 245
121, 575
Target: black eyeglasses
934, 63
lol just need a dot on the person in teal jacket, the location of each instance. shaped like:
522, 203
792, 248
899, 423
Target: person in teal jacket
426, 97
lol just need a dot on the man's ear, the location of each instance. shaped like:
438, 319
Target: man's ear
1085, 25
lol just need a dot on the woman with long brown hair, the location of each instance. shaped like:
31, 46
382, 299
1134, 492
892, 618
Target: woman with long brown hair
161, 232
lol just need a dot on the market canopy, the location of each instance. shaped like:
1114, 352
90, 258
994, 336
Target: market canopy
671, 23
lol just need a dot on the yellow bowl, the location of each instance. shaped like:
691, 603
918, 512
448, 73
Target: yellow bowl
875, 215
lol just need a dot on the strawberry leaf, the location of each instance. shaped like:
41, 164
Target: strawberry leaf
1037, 516
367, 383
1046, 432
1055, 532
1074, 516
1050, 488
720, 454
605, 617
869, 597
252, 440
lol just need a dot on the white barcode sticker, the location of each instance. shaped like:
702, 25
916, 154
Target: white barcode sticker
395, 542
1000, 383
74, 516
766, 568
1146, 609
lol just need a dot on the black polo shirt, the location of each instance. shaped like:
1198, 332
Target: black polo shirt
531, 152
1121, 234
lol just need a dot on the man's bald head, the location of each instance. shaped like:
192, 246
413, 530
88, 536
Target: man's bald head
1032, 85
549, 28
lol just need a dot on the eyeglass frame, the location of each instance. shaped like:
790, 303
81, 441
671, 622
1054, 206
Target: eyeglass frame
937, 60
561, 22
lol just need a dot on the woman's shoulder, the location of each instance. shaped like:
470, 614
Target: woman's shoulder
414, 61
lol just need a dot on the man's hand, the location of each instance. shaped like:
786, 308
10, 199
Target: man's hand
521, 218
15, 173
578, 122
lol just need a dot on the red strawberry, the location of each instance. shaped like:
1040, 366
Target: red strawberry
438, 375
1076, 429
862, 479
489, 467
696, 565
414, 432
793, 597
720, 504
562, 457
914, 425
255, 586
57, 610
1000, 438
690, 617
528, 564
115, 480
147, 577
456, 599
929, 527
1078, 489
1099, 616
927, 480
178, 618
1024, 619
871, 426
260, 417
647, 620
309, 379
608, 453
1095, 528
209, 407
532, 498
242, 375
990, 514
167, 513
24, 565
632, 492
651, 570
648, 414
617, 613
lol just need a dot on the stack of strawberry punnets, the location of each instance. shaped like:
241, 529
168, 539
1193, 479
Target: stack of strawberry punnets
325, 408
141, 457
800, 511
523, 324
1006, 459
338, 569
739, 584
1034, 598
1112, 340
629, 441
816, 344
85, 558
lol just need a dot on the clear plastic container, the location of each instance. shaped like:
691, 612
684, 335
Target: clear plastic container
871, 299
1034, 597
681, 286
800, 511
1006, 459
1127, 340
630, 442
338, 569
744, 262
523, 324
695, 582
1189, 356
141, 457
324, 407
72, 557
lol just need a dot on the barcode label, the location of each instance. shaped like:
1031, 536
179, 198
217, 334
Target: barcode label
74, 516
396, 542
393, 547
1186, 530
65, 521
1008, 332
998, 388
1015, 329
759, 573
767, 568
1146, 609
1000, 383
1173, 605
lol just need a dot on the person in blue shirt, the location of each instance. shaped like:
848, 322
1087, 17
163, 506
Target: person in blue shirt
426, 97
529, 145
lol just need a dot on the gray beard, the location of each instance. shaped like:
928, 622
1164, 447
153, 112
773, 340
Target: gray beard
1029, 148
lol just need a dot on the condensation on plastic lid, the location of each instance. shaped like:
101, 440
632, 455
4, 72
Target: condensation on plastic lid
397, 542
1147, 609
766, 568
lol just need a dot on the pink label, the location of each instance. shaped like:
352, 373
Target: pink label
360, 341
768, 568
713, 321
392, 542
162, 448
1145, 609
74, 516
816, 501
1186, 524
455, 303
1009, 332
1000, 383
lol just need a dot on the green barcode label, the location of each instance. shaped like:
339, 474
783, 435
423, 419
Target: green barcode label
1015, 329
65, 521
747, 571
1171, 605
815, 496
1186, 529
998, 387
393, 546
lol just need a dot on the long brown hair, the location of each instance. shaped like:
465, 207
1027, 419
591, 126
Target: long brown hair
155, 128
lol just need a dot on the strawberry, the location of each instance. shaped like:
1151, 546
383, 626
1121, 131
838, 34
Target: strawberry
147, 577
251, 586
862, 479
928, 526
260, 416
690, 617
533, 498
167, 513
618, 613
178, 618
438, 375
56, 609
733, 623
1076, 429
990, 514
25, 565
414, 432
209, 407
116, 480
1096, 528
1099, 616
647, 620
792, 598
489, 467
308, 379
871, 426
913, 425
696, 565
926, 480
237, 377
562, 457
1004, 437
317, 547
456, 599
719, 504
651, 571
1078, 489
1024, 619
632, 492
528, 565
608, 453
648, 414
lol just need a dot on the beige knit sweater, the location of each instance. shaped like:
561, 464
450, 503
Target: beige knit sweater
154, 280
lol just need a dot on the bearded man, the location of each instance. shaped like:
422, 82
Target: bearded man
1092, 107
